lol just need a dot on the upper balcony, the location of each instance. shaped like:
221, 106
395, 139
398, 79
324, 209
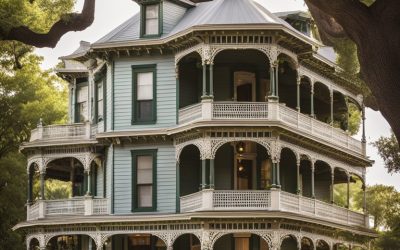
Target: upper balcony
268, 113
271, 200
65, 133
238, 85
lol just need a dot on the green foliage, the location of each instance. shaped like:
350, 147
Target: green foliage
347, 56
354, 119
53, 190
383, 202
12, 199
389, 150
38, 15
26, 94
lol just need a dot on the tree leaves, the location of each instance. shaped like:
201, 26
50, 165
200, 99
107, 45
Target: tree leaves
389, 150
27, 94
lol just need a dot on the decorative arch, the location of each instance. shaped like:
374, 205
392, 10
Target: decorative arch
322, 244
174, 238
267, 237
49, 237
179, 148
306, 240
290, 57
216, 144
295, 237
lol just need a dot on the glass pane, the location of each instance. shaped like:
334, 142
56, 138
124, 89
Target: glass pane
145, 196
145, 86
83, 112
100, 108
145, 169
100, 91
82, 94
152, 11
145, 110
151, 26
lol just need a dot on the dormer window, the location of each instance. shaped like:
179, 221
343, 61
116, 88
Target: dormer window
151, 25
151, 19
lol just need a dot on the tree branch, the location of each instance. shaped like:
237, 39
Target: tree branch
327, 24
70, 22
341, 17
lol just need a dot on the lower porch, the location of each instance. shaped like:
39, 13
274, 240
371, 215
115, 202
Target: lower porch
223, 233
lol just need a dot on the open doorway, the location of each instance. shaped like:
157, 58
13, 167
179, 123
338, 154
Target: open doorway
245, 86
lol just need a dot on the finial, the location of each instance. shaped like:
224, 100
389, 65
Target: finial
40, 123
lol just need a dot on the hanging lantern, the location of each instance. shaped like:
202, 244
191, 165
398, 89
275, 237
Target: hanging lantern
240, 147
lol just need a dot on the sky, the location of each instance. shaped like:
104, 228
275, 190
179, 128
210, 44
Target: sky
110, 13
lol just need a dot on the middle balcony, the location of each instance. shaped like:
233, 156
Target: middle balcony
268, 113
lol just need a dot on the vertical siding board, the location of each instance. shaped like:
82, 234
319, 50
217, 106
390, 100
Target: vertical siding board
108, 98
99, 181
166, 92
109, 168
166, 179
172, 13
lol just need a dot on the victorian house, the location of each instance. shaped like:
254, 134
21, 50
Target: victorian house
211, 125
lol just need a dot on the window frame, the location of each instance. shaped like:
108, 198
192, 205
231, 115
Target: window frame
136, 69
143, 19
135, 196
101, 78
77, 111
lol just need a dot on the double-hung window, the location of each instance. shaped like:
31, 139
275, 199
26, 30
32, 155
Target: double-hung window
144, 94
99, 101
144, 180
82, 104
151, 22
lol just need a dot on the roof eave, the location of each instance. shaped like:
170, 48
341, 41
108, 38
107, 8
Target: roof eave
143, 42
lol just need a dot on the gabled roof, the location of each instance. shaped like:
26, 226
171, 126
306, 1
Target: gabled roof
217, 12
81, 51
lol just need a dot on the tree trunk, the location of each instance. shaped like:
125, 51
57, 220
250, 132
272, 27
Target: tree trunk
375, 31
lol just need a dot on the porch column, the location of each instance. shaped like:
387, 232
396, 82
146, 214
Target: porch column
274, 182
72, 176
312, 100
278, 178
348, 113
204, 80
30, 182
332, 185
363, 138
277, 79
211, 69
272, 81
178, 189
331, 94
298, 93
364, 198
42, 182
298, 176
348, 191
312, 180
203, 173
212, 174
73, 102
88, 183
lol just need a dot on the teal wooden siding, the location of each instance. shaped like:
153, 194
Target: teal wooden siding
166, 179
172, 13
109, 169
166, 92
108, 99
99, 181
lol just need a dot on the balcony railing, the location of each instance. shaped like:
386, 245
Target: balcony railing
270, 200
74, 206
77, 131
269, 111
